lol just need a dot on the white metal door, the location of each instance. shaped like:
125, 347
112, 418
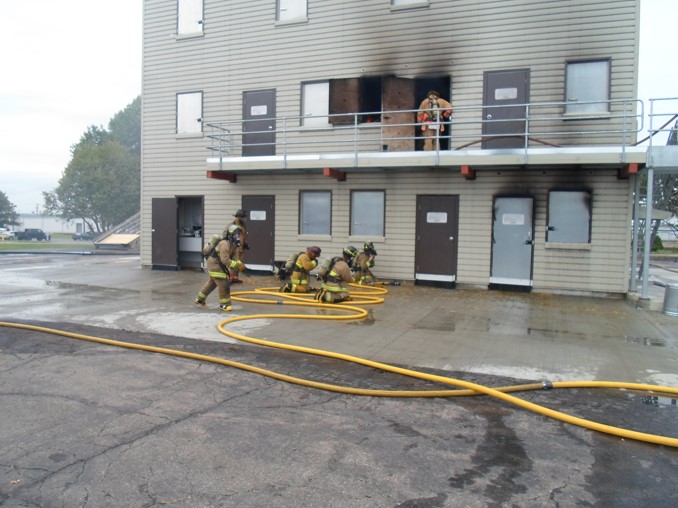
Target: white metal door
512, 241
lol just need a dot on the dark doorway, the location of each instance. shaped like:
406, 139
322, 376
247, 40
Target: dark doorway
260, 232
258, 128
190, 216
164, 237
512, 242
441, 85
435, 257
504, 96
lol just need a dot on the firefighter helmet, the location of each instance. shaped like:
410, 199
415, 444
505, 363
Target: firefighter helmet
241, 213
233, 236
314, 250
350, 252
369, 247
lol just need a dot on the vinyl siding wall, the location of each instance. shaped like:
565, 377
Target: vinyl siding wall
243, 49
598, 267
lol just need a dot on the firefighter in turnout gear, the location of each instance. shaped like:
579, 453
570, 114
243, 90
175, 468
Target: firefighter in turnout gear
362, 265
305, 262
336, 274
238, 225
221, 261
433, 111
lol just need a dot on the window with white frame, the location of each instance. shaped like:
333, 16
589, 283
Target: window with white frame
569, 217
586, 83
315, 212
417, 3
367, 213
315, 100
189, 17
189, 112
291, 10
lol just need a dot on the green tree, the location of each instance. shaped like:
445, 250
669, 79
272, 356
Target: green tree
93, 136
125, 126
101, 185
8, 213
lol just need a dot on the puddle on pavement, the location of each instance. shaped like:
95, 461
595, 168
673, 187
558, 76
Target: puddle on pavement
651, 400
645, 341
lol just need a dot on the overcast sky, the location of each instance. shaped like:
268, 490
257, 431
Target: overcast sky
69, 64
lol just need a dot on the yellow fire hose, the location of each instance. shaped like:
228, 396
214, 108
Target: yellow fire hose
368, 296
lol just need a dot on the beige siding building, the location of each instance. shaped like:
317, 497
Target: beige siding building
304, 112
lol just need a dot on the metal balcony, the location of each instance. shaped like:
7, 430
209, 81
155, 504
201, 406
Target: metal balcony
533, 134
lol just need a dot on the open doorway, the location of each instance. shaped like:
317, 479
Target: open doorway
441, 85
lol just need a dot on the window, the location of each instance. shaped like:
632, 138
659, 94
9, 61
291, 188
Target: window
189, 17
585, 82
367, 213
355, 95
409, 3
315, 98
569, 217
291, 10
189, 112
315, 212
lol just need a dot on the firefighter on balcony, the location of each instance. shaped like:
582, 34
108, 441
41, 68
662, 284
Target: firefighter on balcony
335, 274
220, 252
433, 111
363, 263
238, 224
300, 265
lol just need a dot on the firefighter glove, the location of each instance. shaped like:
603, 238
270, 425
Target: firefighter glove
239, 265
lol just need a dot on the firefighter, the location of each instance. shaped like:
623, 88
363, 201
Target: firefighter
221, 261
433, 111
305, 262
336, 274
239, 225
363, 263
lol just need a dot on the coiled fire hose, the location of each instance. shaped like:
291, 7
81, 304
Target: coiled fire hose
350, 311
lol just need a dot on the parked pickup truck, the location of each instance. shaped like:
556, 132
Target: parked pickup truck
30, 233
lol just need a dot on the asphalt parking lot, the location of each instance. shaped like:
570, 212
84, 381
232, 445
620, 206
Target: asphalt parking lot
88, 424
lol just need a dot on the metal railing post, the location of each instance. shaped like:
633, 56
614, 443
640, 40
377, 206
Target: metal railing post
285, 142
526, 134
355, 140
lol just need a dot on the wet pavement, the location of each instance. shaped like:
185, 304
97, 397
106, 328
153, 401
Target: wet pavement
89, 424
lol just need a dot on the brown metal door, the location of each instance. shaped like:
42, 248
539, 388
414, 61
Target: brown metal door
504, 96
398, 94
435, 256
258, 128
164, 235
260, 232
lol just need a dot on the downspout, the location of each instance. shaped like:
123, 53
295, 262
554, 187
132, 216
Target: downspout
636, 212
648, 223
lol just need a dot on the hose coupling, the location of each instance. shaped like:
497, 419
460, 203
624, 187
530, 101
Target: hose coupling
547, 385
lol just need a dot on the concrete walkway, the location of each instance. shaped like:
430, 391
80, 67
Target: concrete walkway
528, 336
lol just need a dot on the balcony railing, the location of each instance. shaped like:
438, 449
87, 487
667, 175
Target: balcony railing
517, 126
